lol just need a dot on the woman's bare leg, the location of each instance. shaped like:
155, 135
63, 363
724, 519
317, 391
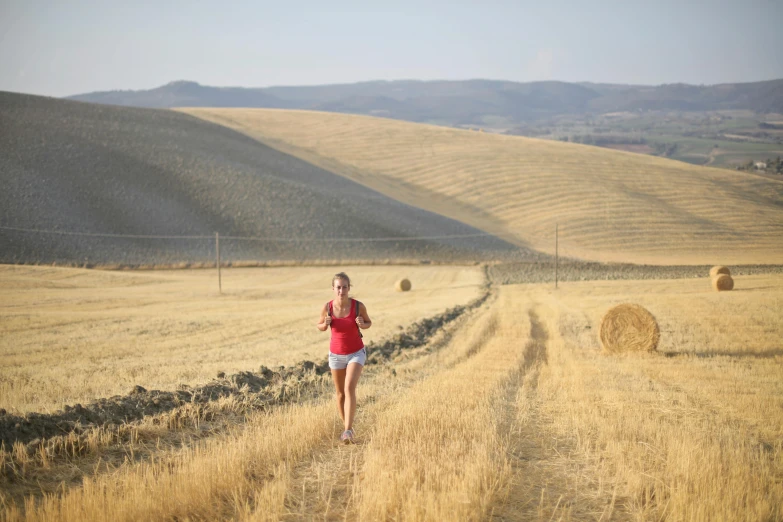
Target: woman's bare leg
338, 376
351, 377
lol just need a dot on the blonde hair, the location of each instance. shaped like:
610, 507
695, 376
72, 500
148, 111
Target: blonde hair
343, 276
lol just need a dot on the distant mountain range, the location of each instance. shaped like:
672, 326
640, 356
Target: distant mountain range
467, 102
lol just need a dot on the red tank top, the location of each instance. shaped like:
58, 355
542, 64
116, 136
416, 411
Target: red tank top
345, 332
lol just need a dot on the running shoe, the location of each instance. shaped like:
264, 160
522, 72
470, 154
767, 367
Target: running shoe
347, 437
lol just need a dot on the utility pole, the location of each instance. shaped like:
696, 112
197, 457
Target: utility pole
217, 252
556, 253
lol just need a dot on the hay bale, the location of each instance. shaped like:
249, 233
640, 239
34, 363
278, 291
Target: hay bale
629, 328
722, 283
403, 285
719, 269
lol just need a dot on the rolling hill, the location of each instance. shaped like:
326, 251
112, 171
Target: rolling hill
609, 205
121, 185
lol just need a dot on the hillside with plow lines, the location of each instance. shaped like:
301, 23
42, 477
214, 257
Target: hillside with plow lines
88, 185
609, 205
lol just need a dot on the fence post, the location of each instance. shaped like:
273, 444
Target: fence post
556, 253
217, 252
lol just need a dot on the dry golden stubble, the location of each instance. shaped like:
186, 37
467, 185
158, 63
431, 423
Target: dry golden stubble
108, 331
719, 269
722, 283
629, 327
473, 178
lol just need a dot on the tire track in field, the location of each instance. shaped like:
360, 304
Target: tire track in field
524, 450
543, 484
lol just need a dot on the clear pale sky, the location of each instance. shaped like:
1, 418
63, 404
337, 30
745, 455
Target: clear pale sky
71, 47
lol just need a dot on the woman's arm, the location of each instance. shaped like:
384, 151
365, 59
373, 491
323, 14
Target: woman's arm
363, 320
325, 320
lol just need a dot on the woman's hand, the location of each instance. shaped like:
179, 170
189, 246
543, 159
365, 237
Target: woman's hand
325, 319
362, 319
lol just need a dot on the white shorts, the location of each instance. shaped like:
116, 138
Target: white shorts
341, 362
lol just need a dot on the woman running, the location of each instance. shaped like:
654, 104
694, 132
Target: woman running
347, 354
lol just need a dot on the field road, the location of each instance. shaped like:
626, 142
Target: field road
410, 464
458, 436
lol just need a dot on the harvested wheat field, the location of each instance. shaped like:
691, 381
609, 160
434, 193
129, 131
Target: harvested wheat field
610, 205
72, 335
509, 411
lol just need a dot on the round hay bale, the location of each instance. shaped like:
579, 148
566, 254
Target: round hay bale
722, 283
403, 285
719, 269
629, 328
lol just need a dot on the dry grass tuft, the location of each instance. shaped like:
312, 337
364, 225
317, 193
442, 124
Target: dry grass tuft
403, 285
719, 269
722, 283
629, 328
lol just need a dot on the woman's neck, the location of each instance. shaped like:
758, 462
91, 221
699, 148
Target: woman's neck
342, 301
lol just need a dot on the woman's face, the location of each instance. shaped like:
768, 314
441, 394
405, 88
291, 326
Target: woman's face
341, 288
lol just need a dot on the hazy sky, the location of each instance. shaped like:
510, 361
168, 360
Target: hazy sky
67, 47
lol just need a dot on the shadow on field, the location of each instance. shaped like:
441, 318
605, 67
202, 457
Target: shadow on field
547, 482
767, 354
535, 349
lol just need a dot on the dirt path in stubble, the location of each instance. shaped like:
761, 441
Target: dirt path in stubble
328, 484
548, 483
